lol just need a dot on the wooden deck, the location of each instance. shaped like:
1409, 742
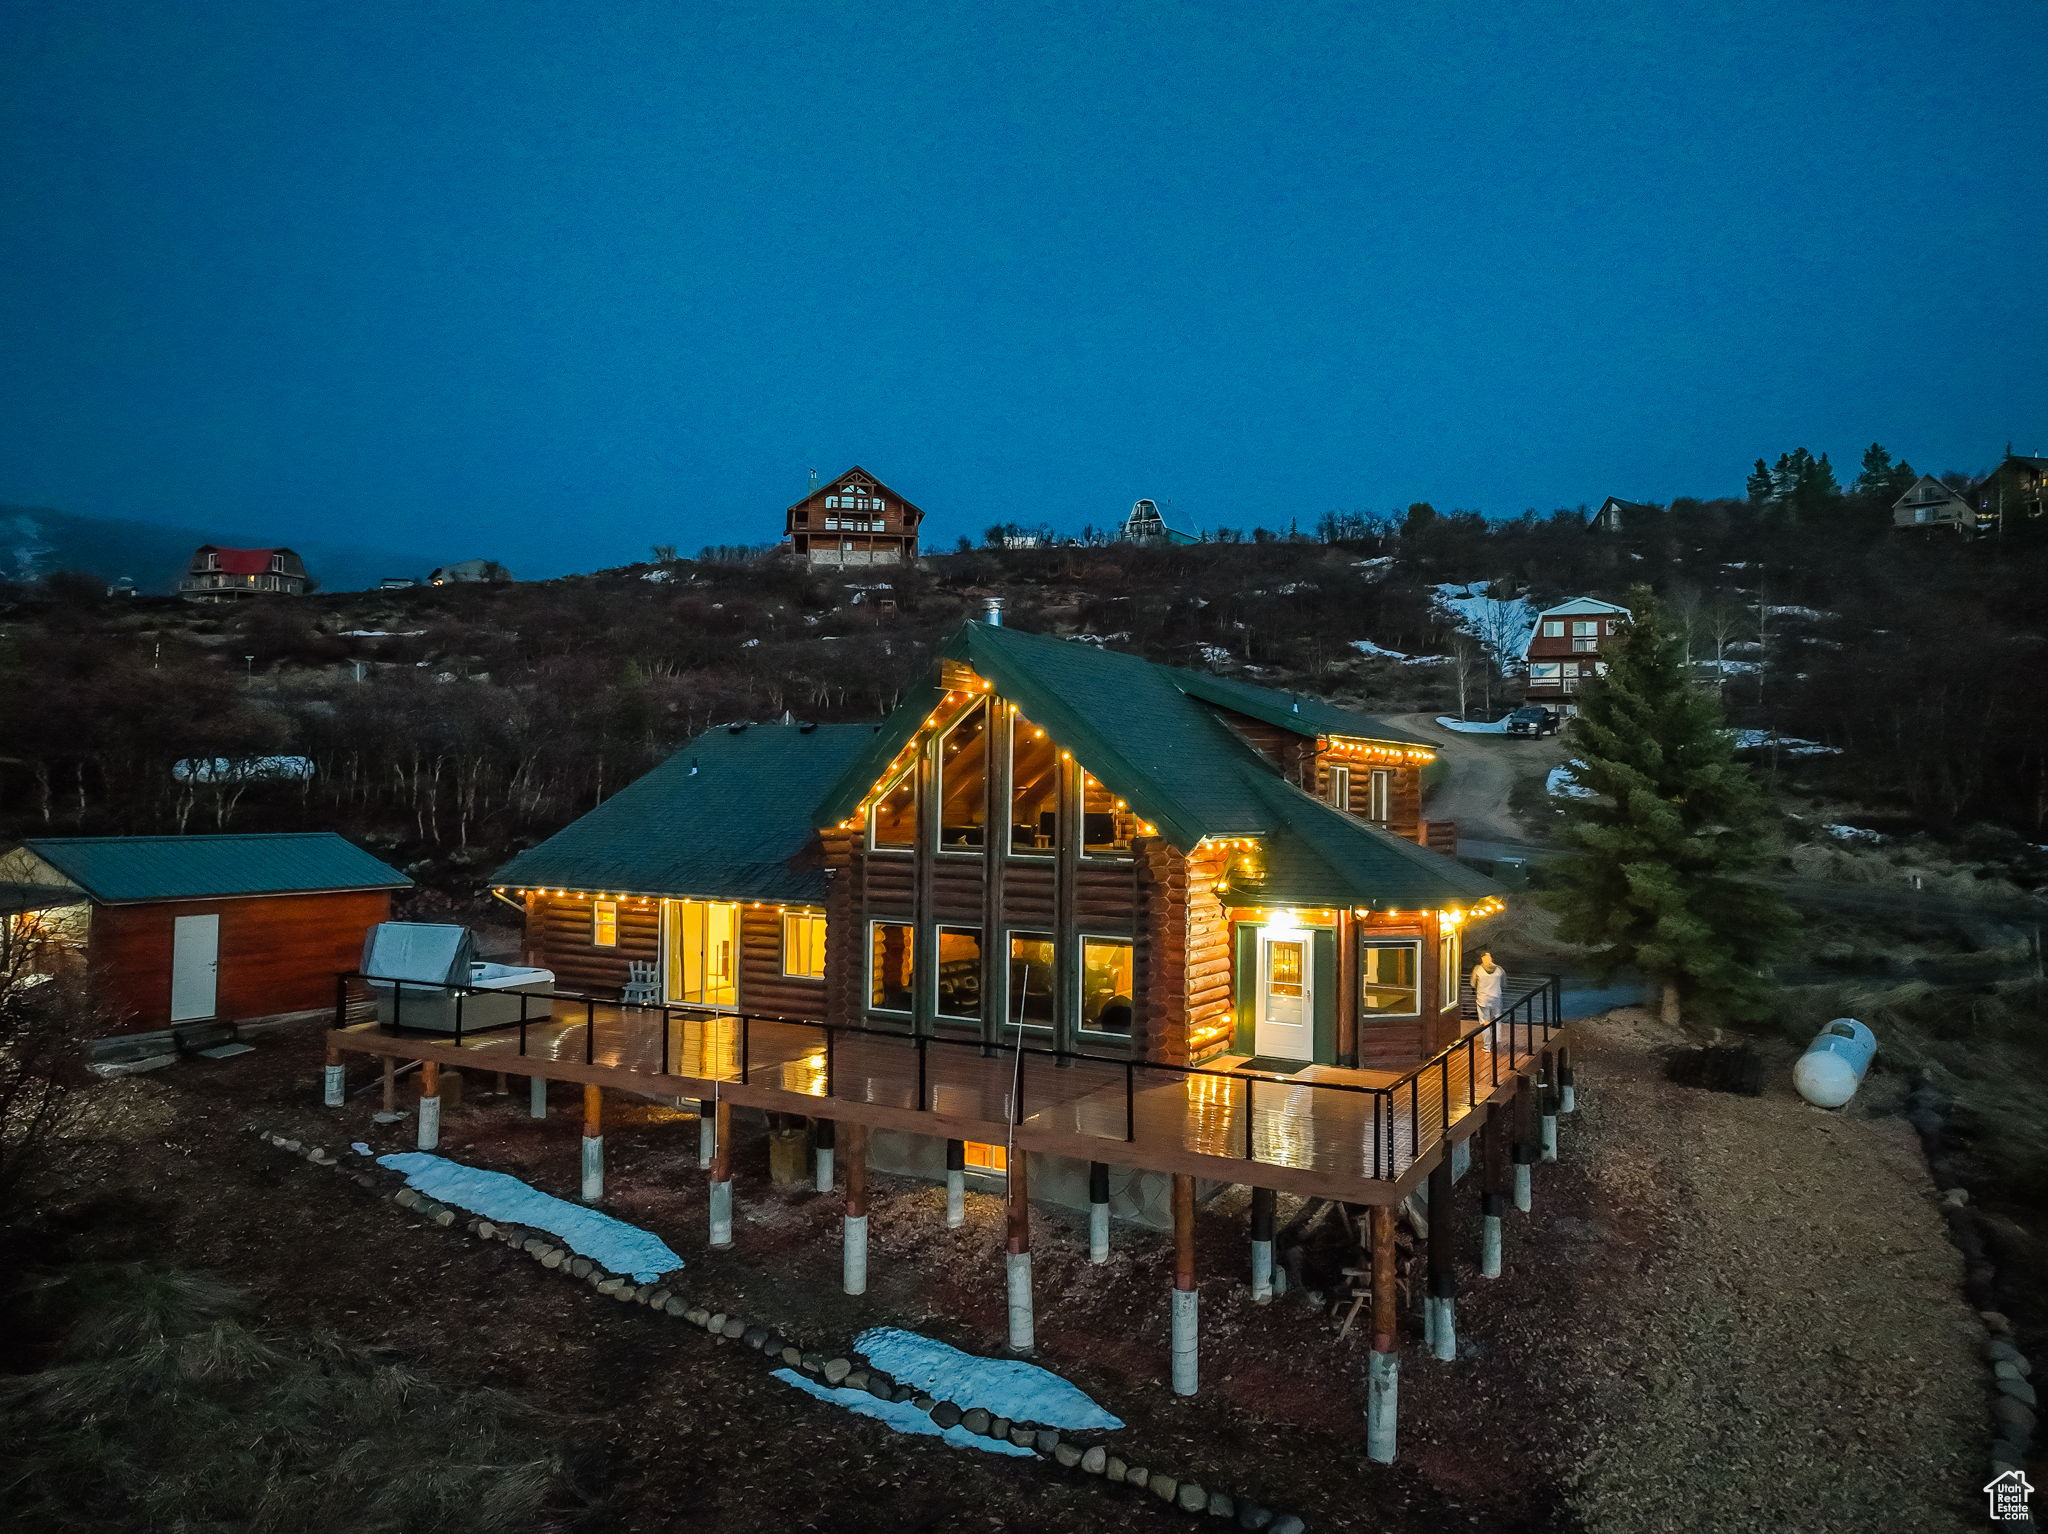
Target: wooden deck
1360, 1136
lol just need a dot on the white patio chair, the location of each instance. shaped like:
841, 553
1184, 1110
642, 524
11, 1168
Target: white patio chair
641, 990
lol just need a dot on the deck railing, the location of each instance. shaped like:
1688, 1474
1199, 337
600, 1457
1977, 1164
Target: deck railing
1407, 1117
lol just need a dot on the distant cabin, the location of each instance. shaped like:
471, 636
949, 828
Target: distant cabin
2016, 489
191, 929
1565, 649
222, 575
1145, 524
469, 572
1615, 514
1929, 503
855, 520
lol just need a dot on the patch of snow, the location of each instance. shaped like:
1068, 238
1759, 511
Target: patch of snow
500, 1196
1292, 587
1559, 783
1472, 726
1797, 612
903, 1416
1791, 745
1729, 667
748, 644
1215, 654
1854, 833
658, 575
1382, 564
1100, 639
1381, 652
381, 633
1003, 1386
1503, 627
243, 769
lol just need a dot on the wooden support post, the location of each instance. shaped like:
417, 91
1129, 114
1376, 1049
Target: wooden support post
721, 1175
1443, 1274
1493, 1198
1383, 1379
1265, 1204
1098, 1212
1017, 1255
1186, 1301
333, 1080
391, 1087
854, 1267
593, 1144
430, 1104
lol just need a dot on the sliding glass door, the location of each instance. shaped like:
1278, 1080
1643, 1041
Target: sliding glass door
701, 942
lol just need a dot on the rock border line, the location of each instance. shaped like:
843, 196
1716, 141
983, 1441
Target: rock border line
1049, 1445
2014, 1403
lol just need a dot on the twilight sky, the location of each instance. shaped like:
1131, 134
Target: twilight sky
553, 280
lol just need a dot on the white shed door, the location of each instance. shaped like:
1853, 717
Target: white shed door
195, 967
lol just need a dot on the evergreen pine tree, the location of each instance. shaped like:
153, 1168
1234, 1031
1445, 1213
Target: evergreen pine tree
1654, 879
1759, 483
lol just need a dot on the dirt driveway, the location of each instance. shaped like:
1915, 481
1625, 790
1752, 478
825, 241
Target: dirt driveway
1482, 771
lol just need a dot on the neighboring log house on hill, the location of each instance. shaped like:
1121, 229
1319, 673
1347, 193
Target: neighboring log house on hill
1615, 515
853, 521
1065, 914
225, 575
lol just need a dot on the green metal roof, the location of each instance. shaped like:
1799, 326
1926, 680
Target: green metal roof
728, 817
122, 869
1316, 855
1303, 713
1150, 733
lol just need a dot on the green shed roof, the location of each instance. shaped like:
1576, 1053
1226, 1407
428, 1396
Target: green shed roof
126, 869
1304, 713
729, 817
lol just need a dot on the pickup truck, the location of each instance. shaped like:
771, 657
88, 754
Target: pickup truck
1532, 720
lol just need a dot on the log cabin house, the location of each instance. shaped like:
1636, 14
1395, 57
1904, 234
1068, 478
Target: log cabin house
178, 930
854, 520
1065, 913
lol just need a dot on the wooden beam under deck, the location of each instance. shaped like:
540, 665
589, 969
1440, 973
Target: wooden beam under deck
1310, 1142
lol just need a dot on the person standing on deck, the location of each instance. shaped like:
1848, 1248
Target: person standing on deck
1488, 982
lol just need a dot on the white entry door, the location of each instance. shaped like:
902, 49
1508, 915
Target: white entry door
195, 967
1284, 1026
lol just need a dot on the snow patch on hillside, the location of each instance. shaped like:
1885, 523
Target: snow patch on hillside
1560, 784
499, 1196
1472, 726
1381, 652
1502, 626
900, 1415
1003, 1386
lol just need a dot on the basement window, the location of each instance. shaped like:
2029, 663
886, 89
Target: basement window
984, 1158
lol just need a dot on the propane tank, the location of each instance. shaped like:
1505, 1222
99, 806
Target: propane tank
1834, 1064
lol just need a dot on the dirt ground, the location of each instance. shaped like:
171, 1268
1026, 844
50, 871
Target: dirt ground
1724, 1314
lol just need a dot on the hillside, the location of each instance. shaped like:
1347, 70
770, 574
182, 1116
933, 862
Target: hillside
36, 542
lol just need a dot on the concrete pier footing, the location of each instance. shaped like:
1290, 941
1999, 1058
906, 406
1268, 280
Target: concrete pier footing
1489, 1246
1023, 1331
854, 1263
1382, 1405
430, 1122
1522, 1185
1186, 1342
1550, 1137
721, 1215
593, 1169
333, 1086
537, 1097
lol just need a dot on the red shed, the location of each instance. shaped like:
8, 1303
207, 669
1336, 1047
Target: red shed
186, 929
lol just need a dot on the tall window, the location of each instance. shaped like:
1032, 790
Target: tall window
1450, 961
1031, 956
963, 781
1106, 821
1379, 796
894, 819
1390, 977
803, 945
604, 924
889, 966
1340, 786
959, 972
1034, 789
1106, 971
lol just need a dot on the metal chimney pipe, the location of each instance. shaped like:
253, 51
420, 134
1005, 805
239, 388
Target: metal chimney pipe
992, 612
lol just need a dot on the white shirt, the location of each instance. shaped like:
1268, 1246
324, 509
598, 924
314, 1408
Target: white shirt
1487, 984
